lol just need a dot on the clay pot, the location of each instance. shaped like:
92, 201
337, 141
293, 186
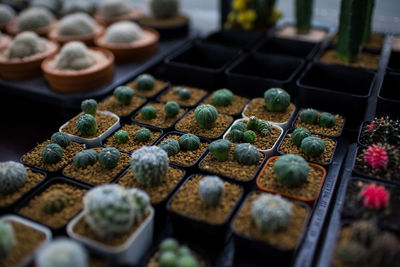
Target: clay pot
5, 40
133, 16
141, 49
13, 30
70, 81
88, 39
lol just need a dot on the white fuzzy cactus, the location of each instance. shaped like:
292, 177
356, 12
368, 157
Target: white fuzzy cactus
72, 6
34, 18
76, 24
141, 201
52, 5
7, 14
114, 8
211, 189
75, 56
62, 252
12, 176
26, 44
7, 238
123, 32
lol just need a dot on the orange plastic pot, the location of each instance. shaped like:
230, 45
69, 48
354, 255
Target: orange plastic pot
302, 199
88, 39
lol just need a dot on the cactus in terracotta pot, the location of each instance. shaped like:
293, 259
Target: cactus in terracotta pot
304, 10
291, 170
13, 176
86, 125
220, 149
246, 154
163, 9
123, 32
85, 158
113, 8
7, 14
211, 189
75, 56
76, 24
109, 157
7, 238
52, 153
26, 44
89, 106
123, 94
205, 115
171, 146
34, 18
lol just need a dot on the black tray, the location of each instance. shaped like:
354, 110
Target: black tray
234, 39
389, 95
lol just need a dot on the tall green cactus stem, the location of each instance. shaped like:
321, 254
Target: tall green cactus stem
304, 10
368, 21
353, 15
264, 9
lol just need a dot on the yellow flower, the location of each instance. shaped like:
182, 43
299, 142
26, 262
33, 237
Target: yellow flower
239, 4
241, 18
251, 15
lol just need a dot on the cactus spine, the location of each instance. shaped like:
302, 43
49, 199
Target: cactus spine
304, 10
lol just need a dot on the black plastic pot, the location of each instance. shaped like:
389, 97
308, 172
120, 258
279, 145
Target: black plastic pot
198, 230
257, 72
233, 39
184, 106
389, 95
394, 62
362, 126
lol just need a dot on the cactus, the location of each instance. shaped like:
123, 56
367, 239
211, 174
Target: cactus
52, 5
113, 8
171, 146
352, 253
383, 130
271, 213
249, 136
222, 97
176, 91
109, 157
82, 6
141, 201
168, 258
299, 134
89, 106
246, 154
206, 115
236, 136
121, 137
184, 94
26, 44
364, 232
171, 109
149, 165
304, 9
143, 135
239, 126
291, 170
375, 197
7, 238
86, 125
220, 149
76, 24
123, 94
52, 153
109, 210
75, 56
85, 158
327, 120
376, 156
368, 21
385, 250
34, 18
260, 126
169, 244
7, 14
353, 15
276, 99
163, 9
123, 32
309, 116
145, 82
211, 189
183, 250
54, 201
187, 261
61, 139
313, 146
252, 123
13, 176
148, 112
62, 252
189, 142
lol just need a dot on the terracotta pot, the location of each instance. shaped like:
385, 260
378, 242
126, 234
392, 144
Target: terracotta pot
4, 41
133, 16
77, 81
310, 200
141, 49
88, 39
28, 67
13, 30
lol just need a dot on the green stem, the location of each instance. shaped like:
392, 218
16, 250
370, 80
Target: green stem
304, 10
368, 22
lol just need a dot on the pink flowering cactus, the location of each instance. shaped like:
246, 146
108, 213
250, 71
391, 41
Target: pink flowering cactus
376, 156
375, 197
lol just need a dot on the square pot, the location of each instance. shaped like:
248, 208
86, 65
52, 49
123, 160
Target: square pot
389, 95
234, 109
394, 62
159, 86
111, 104
197, 95
362, 139
128, 253
233, 39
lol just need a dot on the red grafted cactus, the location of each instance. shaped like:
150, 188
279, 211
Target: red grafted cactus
376, 156
375, 196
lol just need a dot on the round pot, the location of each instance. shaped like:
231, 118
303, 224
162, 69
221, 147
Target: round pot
133, 16
13, 30
28, 67
88, 39
68, 81
143, 48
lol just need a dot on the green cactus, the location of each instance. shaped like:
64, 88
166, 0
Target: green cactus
291, 170
52, 153
249, 136
26, 44
145, 82
364, 232
327, 120
141, 201
89, 106
123, 32
163, 9
206, 115
123, 94
352, 253
252, 123
220, 149
368, 22
177, 90
61, 139
85, 158
304, 10
239, 126
222, 97
121, 137
148, 112
7, 238
75, 55
246, 154
168, 259
236, 136
54, 201
298, 135
34, 18
77, 24
313, 146
309, 116
143, 135
187, 261
171, 109
169, 244
189, 142
109, 157
276, 99
171, 146
211, 189
13, 176
86, 125
260, 126
184, 94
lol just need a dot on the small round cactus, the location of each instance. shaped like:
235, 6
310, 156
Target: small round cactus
252, 123
109, 157
13, 176
52, 153
76, 24
249, 136
121, 137
171, 109
271, 213
148, 112
239, 126
206, 115
86, 125
54, 201
61, 139
26, 44
187, 261
236, 136
89, 106
113, 8
276, 99
141, 201
352, 253
143, 135
309, 116
163, 9
222, 97
299, 134
260, 126
109, 210
375, 196
7, 238
313, 146
145, 82
184, 94
168, 258
123, 94
246, 154
7, 14
85, 158
385, 250
171, 146
75, 56
364, 232
376, 156
189, 142
211, 189
169, 244
220, 149
34, 18
177, 90
291, 170
123, 32
327, 120
149, 164
62, 252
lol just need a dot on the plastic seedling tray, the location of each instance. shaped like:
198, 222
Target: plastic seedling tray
389, 95
394, 62
233, 39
